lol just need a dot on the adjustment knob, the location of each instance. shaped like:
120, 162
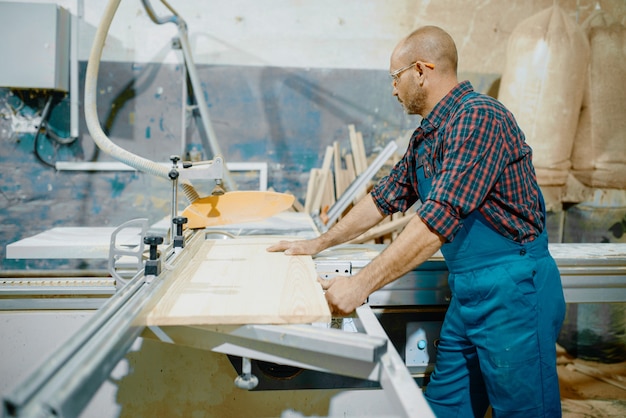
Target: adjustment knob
153, 265
153, 241
179, 221
179, 240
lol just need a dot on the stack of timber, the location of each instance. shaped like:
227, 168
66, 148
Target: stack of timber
340, 167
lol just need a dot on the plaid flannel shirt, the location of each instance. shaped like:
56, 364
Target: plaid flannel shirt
482, 163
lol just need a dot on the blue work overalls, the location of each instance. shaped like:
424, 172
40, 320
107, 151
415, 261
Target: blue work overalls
498, 340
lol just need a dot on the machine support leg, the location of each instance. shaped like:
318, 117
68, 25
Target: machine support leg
246, 380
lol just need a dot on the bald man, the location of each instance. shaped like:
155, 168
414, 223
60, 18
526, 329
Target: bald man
470, 167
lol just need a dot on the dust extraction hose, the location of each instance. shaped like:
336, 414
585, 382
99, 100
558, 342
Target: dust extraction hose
91, 113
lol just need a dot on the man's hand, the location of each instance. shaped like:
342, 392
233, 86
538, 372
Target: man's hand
343, 295
359, 219
304, 247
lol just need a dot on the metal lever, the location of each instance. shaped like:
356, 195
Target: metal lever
115, 252
173, 175
157, 19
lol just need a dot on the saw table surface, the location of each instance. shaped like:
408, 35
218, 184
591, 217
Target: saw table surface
238, 282
71, 242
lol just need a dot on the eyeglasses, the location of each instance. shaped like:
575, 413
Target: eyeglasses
396, 74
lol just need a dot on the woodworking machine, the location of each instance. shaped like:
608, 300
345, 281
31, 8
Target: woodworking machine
388, 347
359, 350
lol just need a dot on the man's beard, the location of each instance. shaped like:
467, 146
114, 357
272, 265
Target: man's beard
416, 102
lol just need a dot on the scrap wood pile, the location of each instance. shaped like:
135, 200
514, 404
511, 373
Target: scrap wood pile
340, 167
591, 388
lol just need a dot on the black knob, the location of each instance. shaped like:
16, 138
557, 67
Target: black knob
153, 241
179, 221
174, 158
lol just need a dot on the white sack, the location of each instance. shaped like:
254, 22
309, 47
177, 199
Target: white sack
542, 84
599, 155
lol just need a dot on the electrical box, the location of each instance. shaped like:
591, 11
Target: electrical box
35, 46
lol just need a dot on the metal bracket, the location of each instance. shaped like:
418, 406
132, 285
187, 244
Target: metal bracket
206, 170
115, 252
330, 269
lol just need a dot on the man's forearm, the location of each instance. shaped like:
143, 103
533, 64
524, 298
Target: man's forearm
414, 245
358, 220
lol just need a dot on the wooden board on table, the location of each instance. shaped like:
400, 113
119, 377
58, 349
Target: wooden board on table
238, 282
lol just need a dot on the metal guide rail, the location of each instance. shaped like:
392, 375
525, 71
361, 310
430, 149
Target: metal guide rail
54, 292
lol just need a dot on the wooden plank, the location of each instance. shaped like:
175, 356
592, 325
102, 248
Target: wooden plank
311, 190
358, 150
359, 156
362, 153
329, 192
360, 163
350, 172
364, 163
328, 157
323, 191
383, 229
318, 189
238, 282
339, 182
394, 217
343, 176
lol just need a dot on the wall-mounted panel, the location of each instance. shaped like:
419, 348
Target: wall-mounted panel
35, 47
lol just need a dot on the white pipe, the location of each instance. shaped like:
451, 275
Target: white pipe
91, 113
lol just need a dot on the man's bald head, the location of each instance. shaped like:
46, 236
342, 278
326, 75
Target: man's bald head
429, 44
418, 85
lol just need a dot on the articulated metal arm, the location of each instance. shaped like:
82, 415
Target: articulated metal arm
175, 18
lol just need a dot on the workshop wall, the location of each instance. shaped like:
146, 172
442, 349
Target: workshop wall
283, 79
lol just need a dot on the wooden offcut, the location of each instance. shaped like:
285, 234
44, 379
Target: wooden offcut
238, 282
235, 207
